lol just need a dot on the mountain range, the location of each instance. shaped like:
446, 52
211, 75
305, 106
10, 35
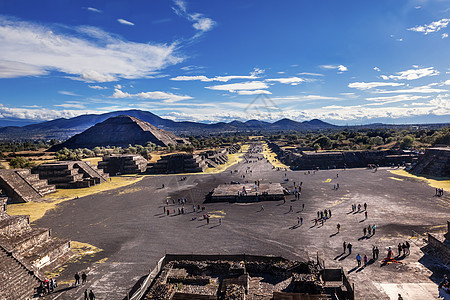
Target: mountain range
65, 128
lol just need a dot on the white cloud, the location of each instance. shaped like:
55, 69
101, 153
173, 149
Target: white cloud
125, 22
341, 68
157, 95
396, 98
13, 69
232, 87
415, 90
41, 114
310, 74
370, 85
97, 87
85, 53
209, 79
94, 9
412, 74
257, 71
67, 93
376, 69
200, 23
444, 35
432, 27
289, 80
255, 92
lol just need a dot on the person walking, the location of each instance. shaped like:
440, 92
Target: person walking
349, 247
365, 260
86, 295
83, 278
338, 226
301, 221
77, 278
364, 230
344, 246
91, 295
358, 259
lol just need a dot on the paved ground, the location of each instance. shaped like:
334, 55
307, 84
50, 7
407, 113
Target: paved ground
131, 227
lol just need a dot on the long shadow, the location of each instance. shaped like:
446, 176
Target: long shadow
313, 226
63, 289
294, 226
344, 257
159, 214
349, 212
360, 269
340, 255
354, 269
334, 234
362, 220
201, 225
363, 238
214, 226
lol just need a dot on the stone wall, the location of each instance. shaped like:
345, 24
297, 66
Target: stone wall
179, 163
22, 186
123, 164
307, 160
435, 162
70, 174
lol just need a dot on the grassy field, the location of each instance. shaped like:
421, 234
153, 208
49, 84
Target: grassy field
268, 154
37, 210
435, 182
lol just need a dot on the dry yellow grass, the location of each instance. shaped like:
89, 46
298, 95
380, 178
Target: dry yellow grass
435, 182
37, 210
93, 160
268, 154
232, 160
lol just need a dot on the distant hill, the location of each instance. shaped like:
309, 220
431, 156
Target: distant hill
65, 128
120, 131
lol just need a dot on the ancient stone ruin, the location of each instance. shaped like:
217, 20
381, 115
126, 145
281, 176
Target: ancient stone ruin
306, 160
243, 277
193, 163
123, 164
439, 245
70, 174
247, 192
21, 186
179, 163
26, 253
120, 131
435, 162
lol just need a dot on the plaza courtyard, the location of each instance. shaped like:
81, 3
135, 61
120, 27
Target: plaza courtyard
133, 230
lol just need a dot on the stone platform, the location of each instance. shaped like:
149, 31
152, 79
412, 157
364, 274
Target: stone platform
247, 192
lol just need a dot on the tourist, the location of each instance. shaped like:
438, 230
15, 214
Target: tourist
365, 214
407, 247
329, 213
290, 208
365, 206
369, 229
303, 206
364, 230
374, 255
220, 221
349, 247
338, 226
91, 295
377, 252
358, 259
365, 260
86, 295
373, 229
298, 220
301, 221
390, 253
262, 207
83, 278
77, 279
344, 245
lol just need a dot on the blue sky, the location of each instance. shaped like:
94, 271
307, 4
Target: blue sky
345, 62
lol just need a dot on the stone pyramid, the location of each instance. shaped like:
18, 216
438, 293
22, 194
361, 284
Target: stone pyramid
120, 131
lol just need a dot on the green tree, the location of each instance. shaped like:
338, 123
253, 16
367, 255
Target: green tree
20, 163
407, 142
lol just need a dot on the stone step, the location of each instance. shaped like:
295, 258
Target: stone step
45, 253
25, 240
11, 225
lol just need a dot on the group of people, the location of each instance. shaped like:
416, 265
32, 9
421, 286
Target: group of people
47, 286
403, 248
359, 206
369, 230
439, 192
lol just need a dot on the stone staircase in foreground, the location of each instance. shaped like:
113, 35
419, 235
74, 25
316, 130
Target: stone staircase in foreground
26, 253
